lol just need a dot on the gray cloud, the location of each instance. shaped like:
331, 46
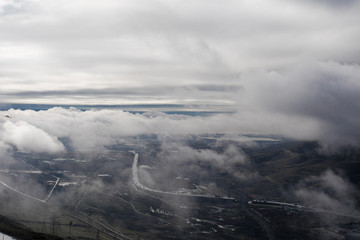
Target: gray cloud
178, 160
331, 3
324, 92
163, 91
180, 152
330, 192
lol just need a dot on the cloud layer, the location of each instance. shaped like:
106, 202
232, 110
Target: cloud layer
284, 67
30, 130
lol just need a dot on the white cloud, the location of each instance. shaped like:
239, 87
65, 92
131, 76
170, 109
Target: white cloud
28, 138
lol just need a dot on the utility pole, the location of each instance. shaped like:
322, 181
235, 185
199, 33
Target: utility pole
44, 222
53, 224
70, 225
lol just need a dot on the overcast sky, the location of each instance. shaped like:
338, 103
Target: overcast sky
146, 51
284, 66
